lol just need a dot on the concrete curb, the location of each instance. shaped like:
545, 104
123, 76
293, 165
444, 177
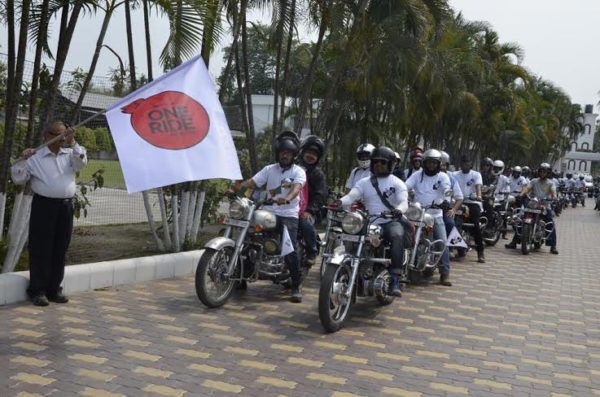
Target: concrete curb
90, 276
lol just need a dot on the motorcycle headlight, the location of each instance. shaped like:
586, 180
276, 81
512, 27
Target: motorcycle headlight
352, 223
238, 209
413, 212
533, 204
511, 199
429, 220
264, 220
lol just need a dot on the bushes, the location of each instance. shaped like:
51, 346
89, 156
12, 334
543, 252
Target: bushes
94, 140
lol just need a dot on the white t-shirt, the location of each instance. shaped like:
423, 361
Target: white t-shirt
579, 183
356, 175
391, 187
278, 184
429, 189
467, 183
570, 183
517, 184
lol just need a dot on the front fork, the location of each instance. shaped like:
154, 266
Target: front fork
355, 265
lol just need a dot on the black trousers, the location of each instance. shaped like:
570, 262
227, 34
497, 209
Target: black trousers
50, 228
475, 214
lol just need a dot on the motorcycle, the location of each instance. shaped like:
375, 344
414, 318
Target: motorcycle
465, 224
249, 250
425, 253
359, 267
530, 226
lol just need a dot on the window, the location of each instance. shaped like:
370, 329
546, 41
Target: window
571, 165
583, 166
585, 146
587, 128
573, 146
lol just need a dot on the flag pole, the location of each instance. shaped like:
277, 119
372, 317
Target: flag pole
62, 135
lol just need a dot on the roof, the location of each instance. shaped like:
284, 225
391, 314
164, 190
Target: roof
91, 100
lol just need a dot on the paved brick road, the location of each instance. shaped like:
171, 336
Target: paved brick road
517, 325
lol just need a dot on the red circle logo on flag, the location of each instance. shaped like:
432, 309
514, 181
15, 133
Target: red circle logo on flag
169, 120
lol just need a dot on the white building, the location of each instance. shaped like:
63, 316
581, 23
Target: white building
579, 159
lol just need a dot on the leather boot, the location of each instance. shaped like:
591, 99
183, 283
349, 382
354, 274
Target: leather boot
445, 280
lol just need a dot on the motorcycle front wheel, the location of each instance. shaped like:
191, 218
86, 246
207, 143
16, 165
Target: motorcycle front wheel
212, 286
333, 303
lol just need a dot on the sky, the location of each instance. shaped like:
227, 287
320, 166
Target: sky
557, 36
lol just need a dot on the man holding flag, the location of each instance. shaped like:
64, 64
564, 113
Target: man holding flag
283, 181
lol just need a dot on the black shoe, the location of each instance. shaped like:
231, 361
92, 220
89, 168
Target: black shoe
310, 260
296, 294
553, 250
40, 300
445, 280
480, 258
242, 285
510, 245
58, 298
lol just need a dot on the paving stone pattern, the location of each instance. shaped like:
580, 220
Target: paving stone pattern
515, 326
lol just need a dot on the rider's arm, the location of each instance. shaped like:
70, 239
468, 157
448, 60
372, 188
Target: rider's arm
352, 196
526, 189
478, 191
248, 184
318, 192
402, 197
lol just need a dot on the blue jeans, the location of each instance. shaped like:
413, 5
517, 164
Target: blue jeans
394, 233
551, 241
309, 235
439, 232
291, 259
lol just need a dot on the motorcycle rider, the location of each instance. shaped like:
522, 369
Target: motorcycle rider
398, 171
430, 186
392, 193
283, 181
457, 196
516, 181
416, 160
579, 186
363, 156
313, 194
470, 182
487, 174
541, 188
526, 173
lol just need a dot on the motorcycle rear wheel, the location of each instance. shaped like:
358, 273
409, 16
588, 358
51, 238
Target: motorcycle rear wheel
333, 305
211, 269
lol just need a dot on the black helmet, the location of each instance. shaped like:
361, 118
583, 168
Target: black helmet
315, 143
581, 177
569, 175
487, 161
526, 170
432, 155
383, 153
288, 140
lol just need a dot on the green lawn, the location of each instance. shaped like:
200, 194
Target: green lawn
113, 176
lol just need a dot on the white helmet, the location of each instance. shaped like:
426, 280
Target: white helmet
497, 167
397, 156
362, 149
445, 157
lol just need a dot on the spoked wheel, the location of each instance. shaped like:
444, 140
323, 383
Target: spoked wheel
525, 239
212, 286
333, 302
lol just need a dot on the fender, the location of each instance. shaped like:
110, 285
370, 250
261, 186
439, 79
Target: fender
218, 243
339, 259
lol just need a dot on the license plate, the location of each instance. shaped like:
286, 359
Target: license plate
236, 222
351, 237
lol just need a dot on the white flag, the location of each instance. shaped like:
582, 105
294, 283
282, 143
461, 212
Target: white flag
173, 130
286, 243
455, 239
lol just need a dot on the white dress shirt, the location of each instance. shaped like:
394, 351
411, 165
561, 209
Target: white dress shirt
52, 175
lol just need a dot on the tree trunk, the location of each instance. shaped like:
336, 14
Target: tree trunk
148, 42
248, 87
198, 214
286, 65
308, 81
279, 35
64, 42
150, 216
133, 81
108, 14
183, 214
165, 219
227, 70
175, 222
35, 78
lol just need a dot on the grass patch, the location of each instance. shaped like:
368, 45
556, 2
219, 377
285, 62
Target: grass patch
113, 176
